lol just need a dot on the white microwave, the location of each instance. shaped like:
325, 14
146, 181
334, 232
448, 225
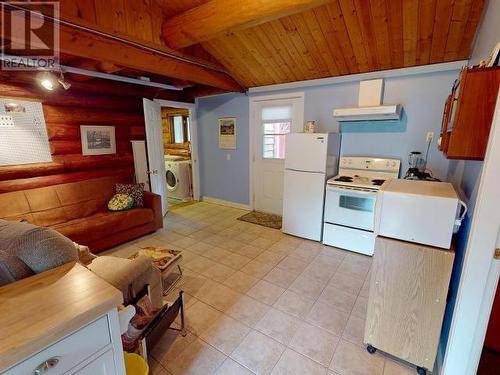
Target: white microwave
423, 212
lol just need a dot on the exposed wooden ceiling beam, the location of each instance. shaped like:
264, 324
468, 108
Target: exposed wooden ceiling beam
85, 43
216, 17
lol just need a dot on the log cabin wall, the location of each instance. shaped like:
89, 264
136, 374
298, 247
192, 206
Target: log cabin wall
169, 147
64, 112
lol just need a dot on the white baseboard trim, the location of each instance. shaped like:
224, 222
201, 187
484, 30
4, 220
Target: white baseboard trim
223, 202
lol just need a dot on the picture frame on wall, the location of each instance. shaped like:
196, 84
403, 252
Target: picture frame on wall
98, 140
227, 133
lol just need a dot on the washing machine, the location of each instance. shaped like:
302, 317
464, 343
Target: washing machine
178, 176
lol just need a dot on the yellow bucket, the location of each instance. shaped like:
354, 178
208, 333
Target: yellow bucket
135, 364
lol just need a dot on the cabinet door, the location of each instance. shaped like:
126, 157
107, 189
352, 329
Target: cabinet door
408, 289
103, 365
474, 113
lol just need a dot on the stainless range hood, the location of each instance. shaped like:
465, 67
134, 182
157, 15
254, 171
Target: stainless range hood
370, 105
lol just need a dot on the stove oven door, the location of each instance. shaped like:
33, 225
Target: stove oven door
350, 208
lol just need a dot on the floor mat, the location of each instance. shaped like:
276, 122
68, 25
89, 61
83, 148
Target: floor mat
262, 218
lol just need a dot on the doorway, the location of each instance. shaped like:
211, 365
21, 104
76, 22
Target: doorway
490, 355
177, 154
172, 151
271, 118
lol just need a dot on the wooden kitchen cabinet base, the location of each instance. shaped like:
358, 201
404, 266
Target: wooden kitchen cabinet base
408, 290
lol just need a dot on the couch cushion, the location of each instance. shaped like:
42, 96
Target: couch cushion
136, 191
120, 202
102, 224
57, 204
85, 198
38, 248
14, 205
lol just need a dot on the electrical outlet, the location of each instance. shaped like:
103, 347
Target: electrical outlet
228, 156
430, 137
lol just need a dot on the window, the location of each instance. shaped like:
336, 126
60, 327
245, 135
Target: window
276, 122
178, 129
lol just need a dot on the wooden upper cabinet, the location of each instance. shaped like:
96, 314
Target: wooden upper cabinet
468, 114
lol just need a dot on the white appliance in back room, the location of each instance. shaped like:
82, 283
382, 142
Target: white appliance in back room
310, 159
350, 202
178, 176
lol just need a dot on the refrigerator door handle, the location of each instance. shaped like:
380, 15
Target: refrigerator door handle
299, 170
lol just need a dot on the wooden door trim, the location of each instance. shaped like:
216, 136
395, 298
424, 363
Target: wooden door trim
194, 140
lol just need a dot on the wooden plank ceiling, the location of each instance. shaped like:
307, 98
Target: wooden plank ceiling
223, 43
349, 36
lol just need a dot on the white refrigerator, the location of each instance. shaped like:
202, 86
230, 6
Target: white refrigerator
310, 160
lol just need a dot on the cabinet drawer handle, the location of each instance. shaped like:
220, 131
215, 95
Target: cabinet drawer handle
49, 364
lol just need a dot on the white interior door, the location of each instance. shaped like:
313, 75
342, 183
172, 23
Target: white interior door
272, 118
480, 270
154, 144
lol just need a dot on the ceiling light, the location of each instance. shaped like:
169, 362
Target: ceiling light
47, 81
65, 84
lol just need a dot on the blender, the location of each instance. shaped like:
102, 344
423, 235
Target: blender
417, 166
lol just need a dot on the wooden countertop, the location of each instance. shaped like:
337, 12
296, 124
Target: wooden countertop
38, 311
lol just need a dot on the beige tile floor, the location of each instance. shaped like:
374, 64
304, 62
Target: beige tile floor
261, 302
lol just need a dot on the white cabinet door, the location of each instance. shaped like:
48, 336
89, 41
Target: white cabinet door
154, 143
103, 365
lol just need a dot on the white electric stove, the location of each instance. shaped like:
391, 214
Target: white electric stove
350, 202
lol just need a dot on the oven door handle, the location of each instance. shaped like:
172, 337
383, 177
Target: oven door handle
339, 189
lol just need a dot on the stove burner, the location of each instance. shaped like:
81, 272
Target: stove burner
344, 179
378, 181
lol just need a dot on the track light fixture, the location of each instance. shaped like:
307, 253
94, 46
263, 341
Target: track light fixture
49, 81
62, 81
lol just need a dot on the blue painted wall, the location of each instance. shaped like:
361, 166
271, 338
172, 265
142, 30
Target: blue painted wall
421, 95
221, 178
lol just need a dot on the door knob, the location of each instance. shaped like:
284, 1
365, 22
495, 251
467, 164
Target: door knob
497, 253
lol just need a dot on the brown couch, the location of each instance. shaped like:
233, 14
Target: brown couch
79, 211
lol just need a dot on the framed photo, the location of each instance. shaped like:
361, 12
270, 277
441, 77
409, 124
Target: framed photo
98, 140
227, 133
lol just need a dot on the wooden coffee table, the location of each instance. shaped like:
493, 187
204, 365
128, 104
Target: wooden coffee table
166, 260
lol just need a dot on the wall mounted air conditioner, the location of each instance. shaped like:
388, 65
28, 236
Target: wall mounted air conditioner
370, 106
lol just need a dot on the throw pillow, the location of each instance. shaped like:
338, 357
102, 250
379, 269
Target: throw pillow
136, 191
120, 202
